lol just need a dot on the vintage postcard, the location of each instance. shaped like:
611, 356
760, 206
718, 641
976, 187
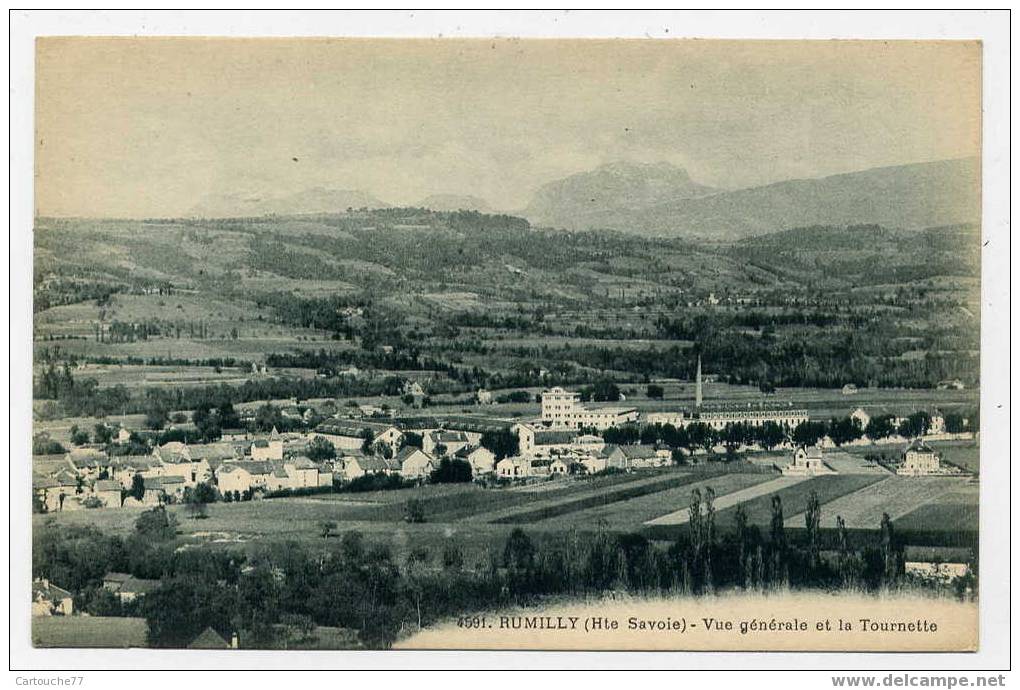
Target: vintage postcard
506, 344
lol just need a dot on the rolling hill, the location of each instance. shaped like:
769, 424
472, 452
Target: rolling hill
315, 200
455, 202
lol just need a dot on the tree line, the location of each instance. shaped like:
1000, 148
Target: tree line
347, 582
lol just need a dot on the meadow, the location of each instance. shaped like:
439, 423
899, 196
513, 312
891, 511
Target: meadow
773, 485
633, 512
795, 498
94, 632
547, 508
896, 496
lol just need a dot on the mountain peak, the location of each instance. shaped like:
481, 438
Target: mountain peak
613, 185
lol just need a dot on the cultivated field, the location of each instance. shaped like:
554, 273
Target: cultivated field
551, 507
956, 509
965, 454
630, 514
453, 502
795, 497
767, 488
60, 429
961, 517
896, 496
482, 517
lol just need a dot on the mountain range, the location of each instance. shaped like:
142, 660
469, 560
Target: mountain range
661, 199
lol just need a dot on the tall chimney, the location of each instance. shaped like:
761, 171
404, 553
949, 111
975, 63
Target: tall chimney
697, 389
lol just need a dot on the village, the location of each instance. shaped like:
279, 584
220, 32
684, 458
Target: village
569, 439
570, 443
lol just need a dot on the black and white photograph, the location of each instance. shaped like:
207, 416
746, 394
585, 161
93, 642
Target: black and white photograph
353, 343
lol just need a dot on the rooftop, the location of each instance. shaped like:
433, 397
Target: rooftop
209, 639
249, 466
549, 438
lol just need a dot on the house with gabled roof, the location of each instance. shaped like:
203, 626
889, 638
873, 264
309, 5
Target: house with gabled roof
481, 459
136, 588
415, 463
538, 441
124, 468
87, 462
53, 492
213, 451
165, 489
127, 587
628, 457
561, 466
448, 441
50, 600
517, 467
357, 464
594, 462
108, 491
206, 457
278, 478
243, 475
190, 471
350, 434
303, 472
67, 478
172, 452
808, 461
864, 417
919, 460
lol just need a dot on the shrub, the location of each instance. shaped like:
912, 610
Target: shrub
414, 511
374, 482
93, 502
451, 472
303, 491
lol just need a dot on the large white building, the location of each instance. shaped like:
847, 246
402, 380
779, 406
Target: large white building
719, 418
752, 415
562, 409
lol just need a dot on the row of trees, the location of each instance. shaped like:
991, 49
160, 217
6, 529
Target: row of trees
699, 435
348, 583
769, 435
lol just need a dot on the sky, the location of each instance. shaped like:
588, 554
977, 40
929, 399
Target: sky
150, 127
